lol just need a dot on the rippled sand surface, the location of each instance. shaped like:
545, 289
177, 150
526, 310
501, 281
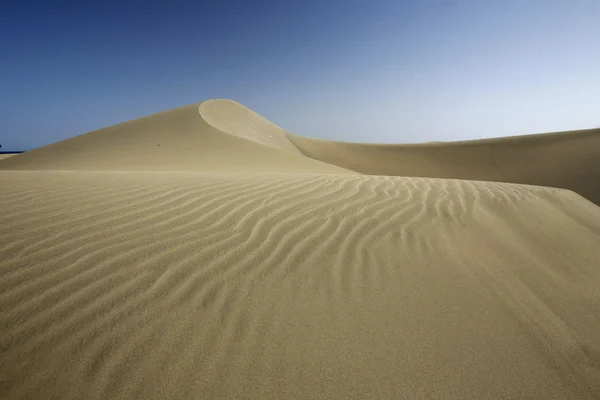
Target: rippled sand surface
270, 275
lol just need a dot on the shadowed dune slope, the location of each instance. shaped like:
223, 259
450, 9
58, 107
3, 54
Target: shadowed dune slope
146, 285
569, 160
174, 140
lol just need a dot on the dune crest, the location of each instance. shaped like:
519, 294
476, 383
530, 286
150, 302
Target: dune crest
233, 118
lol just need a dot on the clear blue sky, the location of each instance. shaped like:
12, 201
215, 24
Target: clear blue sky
386, 71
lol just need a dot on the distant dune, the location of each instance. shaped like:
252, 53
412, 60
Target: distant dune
567, 160
205, 253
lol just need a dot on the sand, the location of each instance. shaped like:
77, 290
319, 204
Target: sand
3, 156
568, 160
227, 264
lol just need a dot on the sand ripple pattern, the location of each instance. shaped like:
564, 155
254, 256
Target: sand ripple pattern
119, 285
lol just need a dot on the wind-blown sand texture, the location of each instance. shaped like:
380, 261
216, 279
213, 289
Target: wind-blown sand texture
200, 254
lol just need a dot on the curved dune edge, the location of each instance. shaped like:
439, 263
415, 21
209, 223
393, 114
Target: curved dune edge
233, 118
186, 285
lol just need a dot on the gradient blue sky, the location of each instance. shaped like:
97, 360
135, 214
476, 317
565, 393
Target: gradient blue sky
367, 71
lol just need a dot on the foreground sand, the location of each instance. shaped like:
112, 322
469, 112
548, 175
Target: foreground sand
215, 282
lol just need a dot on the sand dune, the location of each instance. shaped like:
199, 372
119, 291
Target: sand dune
3, 156
174, 140
225, 263
192, 138
565, 159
